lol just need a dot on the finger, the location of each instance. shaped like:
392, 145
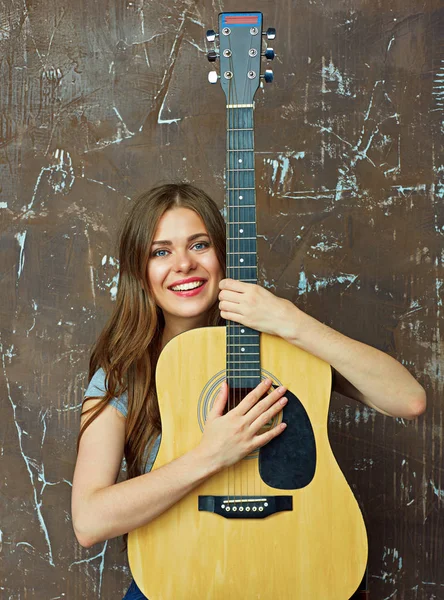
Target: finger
217, 410
230, 316
230, 296
252, 398
266, 437
265, 404
269, 414
230, 308
233, 284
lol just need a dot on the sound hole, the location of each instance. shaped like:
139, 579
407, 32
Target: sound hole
288, 462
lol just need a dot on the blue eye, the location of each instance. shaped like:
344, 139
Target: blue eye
156, 252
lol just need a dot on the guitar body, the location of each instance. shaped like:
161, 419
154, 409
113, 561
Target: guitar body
317, 550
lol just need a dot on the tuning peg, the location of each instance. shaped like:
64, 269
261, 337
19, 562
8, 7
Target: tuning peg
268, 76
213, 76
270, 33
212, 56
211, 35
269, 54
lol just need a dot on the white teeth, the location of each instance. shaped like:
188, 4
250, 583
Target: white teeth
187, 286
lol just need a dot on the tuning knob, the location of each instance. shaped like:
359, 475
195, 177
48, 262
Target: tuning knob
270, 33
211, 35
269, 54
268, 76
212, 55
213, 76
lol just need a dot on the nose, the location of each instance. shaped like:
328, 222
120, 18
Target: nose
184, 261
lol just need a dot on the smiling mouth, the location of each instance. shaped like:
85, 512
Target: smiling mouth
195, 285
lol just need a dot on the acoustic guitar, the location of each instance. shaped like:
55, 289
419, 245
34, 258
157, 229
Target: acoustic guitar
282, 524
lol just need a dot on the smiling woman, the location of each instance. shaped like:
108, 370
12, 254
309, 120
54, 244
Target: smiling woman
172, 280
147, 315
184, 271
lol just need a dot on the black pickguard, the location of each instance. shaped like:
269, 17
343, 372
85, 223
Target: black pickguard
288, 462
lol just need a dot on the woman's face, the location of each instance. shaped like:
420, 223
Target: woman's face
186, 252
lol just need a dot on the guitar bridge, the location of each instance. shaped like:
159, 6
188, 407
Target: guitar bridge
245, 507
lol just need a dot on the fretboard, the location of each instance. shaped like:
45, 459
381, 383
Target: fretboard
243, 360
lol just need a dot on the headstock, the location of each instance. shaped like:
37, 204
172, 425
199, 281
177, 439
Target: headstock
240, 51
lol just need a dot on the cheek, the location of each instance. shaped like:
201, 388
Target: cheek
155, 275
213, 266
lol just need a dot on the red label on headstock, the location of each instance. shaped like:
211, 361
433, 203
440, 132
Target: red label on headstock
241, 19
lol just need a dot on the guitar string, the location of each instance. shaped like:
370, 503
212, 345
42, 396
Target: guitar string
240, 175
241, 124
238, 122
231, 100
243, 115
249, 181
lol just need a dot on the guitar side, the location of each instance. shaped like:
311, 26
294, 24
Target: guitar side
316, 550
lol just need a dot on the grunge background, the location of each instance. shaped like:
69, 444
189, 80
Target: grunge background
100, 100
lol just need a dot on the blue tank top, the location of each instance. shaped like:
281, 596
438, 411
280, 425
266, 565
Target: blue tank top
96, 387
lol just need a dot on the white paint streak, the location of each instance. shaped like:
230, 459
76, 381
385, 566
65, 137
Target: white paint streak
30, 463
112, 283
304, 286
101, 556
332, 74
61, 176
21, 238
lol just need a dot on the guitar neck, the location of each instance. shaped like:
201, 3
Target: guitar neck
243, 358
240, 55
241, 195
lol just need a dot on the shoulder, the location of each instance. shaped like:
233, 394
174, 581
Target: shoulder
97, 389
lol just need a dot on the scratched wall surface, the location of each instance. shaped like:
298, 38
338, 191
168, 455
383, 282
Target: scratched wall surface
102, 99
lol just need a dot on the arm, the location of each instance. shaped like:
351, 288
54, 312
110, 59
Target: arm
362, 372
103, 509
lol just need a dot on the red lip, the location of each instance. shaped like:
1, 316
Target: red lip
189, 293
189, 280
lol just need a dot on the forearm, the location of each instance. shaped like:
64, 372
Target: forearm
379, 380
122, 507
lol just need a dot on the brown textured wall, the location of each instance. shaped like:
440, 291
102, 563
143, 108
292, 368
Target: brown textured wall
100, 100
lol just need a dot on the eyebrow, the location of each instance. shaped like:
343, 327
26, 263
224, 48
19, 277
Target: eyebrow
192, 237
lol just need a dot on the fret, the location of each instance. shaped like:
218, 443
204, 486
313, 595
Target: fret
245, 238
249, 193
241, 252
238, 170
241, 222
242, 267
242, 354
247, 369
241, 205
240, 129
240, 105
232, 189
241, 150
250, 362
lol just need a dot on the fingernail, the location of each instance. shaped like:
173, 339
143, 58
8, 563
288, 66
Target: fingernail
282, 388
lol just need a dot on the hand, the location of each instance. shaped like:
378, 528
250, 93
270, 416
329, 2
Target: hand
227, 438
254, 306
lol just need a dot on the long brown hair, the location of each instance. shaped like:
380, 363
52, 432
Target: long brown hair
129, 345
